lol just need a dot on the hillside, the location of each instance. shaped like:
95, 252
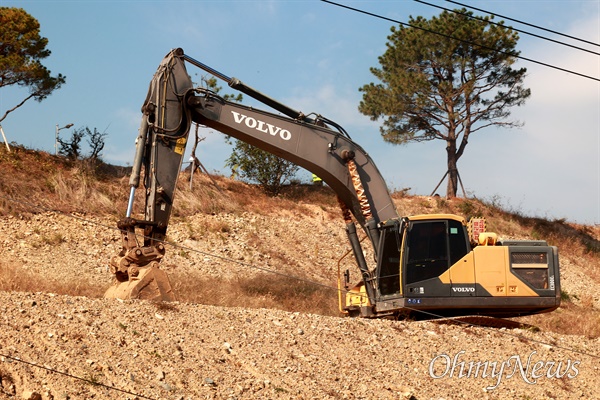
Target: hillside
245, 326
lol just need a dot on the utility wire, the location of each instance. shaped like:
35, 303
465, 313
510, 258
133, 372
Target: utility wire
525, 23
504, 26
462, 41
433, 316
92, 382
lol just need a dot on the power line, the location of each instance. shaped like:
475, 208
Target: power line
90, 381
525, 23
462, 41
512, 28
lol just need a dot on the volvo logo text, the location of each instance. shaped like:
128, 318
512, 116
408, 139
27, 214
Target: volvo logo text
464, 289
261, 126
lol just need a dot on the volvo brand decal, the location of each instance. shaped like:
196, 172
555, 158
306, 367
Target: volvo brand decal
464, 289
261, 126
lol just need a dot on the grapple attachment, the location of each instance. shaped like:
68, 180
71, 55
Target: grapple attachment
145, 283
136, 269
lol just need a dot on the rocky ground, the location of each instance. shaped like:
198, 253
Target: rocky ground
65, 347
75, 347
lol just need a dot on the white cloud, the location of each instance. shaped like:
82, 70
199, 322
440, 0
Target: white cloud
334, 102
130, 118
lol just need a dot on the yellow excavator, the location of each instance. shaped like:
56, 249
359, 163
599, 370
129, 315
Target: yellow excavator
437, 264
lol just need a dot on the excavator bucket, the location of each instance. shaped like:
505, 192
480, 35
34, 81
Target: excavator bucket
149, 283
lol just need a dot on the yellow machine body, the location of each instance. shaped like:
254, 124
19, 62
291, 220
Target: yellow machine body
444, 267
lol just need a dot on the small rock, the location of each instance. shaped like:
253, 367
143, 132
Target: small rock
160, 374
209, 382
29, 395
228, 347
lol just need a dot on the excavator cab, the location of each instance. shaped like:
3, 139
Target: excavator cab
430, 265
431, 247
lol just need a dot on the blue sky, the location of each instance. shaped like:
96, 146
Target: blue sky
314, 56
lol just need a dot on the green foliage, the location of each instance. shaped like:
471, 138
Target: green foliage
467, 208
211, 84
21, 51
445, 86
253, 164
565, 296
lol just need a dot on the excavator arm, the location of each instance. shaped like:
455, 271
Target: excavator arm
172, 104
160, 146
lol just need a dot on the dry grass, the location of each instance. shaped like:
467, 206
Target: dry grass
34, 181
218, 194
569, 319
261, 291
17, 279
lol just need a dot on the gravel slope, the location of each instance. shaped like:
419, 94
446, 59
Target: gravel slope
189, 351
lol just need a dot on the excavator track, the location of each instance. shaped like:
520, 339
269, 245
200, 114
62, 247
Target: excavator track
486, 322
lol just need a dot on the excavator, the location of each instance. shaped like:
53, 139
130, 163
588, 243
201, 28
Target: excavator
436, 264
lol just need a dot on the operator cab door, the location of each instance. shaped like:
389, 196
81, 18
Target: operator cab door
427, 256
388, 268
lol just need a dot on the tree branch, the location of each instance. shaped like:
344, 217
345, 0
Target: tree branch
17, 106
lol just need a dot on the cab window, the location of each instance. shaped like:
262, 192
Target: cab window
389, 268
459, 242
427, 250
